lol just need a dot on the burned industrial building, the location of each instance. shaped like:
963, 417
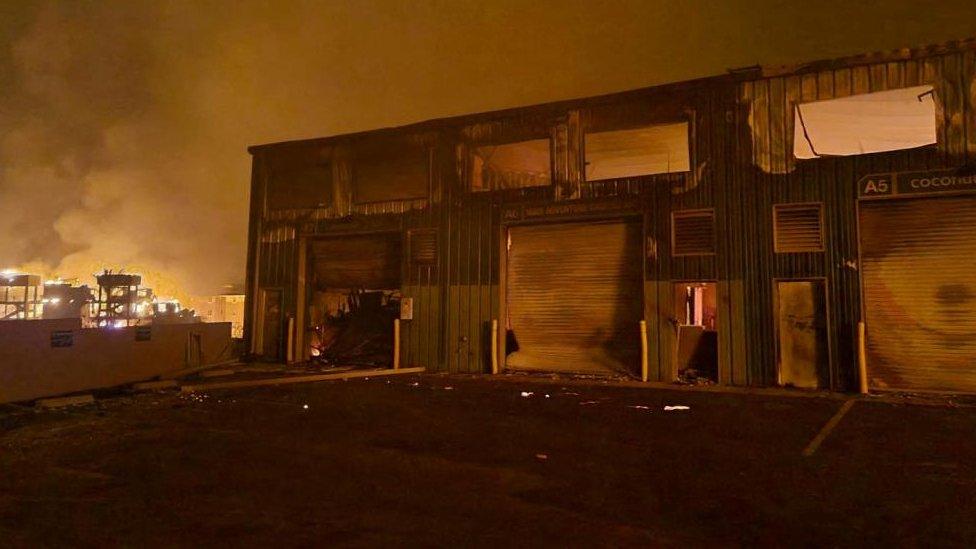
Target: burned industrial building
807, 226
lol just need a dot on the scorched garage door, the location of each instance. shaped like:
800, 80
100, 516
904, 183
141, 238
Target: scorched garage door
919, 275
574, 297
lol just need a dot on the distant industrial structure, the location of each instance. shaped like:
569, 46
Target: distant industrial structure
119, 300
64, 300
226, 307
19, 296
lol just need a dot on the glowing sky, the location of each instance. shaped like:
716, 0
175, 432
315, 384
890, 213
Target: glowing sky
123, 124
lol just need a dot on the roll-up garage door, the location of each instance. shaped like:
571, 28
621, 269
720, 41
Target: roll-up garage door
574, 297
919, 275
370, 262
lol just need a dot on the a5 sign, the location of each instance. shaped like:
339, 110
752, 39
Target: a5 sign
887, 185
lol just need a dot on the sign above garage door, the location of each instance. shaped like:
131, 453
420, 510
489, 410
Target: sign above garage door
899, 184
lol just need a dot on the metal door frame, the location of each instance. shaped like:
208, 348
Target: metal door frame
262, 305
831, 377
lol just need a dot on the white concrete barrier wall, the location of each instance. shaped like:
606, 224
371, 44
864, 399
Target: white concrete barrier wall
42, 358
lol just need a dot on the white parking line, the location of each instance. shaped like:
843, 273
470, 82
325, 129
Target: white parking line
827, 428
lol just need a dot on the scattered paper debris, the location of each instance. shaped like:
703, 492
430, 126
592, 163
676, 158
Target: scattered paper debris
448, 388
640, 407
542, 457
679, 407
570, 393
527, 394
305, 407
588, 402
415, 384
547, 395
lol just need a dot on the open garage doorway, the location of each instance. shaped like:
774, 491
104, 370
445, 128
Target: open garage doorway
354, 297
695, 319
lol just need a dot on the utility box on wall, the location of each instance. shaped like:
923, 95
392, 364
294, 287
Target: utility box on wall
406, 308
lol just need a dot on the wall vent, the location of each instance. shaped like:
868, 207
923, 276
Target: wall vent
693, 232
798, 228
423, 246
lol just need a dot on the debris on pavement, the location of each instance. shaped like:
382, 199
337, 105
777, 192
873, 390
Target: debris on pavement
527, 394
542, 457
678, 407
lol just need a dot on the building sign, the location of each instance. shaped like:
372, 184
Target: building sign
567, 209
62, 338
900, 184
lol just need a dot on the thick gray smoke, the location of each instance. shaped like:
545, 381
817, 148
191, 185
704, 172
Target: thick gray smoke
123, 123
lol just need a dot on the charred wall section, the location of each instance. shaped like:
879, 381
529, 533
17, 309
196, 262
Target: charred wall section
740, 137
767, 174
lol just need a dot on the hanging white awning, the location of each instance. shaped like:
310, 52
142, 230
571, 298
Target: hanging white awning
868, 123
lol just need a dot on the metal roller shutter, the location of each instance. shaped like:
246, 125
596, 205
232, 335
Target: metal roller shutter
575, 297
919, 276
370, 262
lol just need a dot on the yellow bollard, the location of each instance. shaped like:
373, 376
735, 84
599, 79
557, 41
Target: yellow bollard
396, 343
643, 336
862, 358
494, 346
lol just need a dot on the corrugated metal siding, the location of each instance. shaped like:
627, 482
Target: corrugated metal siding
738, 175
767, 174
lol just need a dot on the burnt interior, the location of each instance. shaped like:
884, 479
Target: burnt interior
696, 322
354, 299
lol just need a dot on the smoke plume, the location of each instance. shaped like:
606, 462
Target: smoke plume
123, 123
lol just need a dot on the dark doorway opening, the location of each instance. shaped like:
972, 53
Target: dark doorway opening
696, 322
354, 299
272, 330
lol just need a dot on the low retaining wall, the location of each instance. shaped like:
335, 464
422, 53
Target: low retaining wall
41, 358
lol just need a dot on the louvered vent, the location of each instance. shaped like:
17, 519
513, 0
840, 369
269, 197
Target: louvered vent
693, 232
423, 247
798, 227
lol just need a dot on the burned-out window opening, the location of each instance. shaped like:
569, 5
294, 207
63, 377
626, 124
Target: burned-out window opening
866, 123
798, 228
300, 186
391, 175
693, 232
648, 150
510, 165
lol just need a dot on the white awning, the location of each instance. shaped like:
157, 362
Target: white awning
867, 123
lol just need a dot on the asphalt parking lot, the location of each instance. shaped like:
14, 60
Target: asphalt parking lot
452, 461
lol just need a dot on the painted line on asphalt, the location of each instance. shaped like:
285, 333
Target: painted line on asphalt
827, 428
